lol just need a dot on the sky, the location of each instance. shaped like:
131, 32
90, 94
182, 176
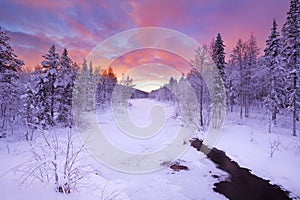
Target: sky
79, 26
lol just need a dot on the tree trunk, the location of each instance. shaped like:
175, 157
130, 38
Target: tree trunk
201, 106
246, 104
294, 118
294, 106
241, 108
274, 115
270, 114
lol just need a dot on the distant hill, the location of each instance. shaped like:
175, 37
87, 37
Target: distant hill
136, 92
139, 94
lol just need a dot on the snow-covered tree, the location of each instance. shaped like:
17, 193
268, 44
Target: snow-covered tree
29, 112
105, 87
66, 78
184, 96
244, 57
187, 105
91, 89
237, 58
275, 76
47, 95
291, 58
126, 80
200, 69
197, 83
111, 81
81, 91
232, 85
123, 91
8, 59
251, 55
210, 48
9, 95
218, 56
91, 77
172, 86
100, 93
162, 94
218, 100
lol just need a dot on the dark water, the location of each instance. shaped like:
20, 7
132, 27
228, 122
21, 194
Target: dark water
242, 185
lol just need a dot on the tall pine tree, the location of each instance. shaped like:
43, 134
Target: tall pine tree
66, 78
218, 56
275, 78
47, 95
29, 112
81, 89
9, 96
291, 58
218, 99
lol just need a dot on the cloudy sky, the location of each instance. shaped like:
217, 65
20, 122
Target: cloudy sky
79, 26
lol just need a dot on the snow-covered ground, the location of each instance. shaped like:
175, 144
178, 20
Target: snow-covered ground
248, 142
196, 183
245, 141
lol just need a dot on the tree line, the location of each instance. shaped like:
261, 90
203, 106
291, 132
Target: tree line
271, 80
44, 98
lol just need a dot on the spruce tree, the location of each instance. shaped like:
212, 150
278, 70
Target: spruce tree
218, 56
275, 77
29, 112
81, 89
8, 58
91, 88
232, 84
66, 78
291, 58
47, 93
218, 100
9, 94
85, 90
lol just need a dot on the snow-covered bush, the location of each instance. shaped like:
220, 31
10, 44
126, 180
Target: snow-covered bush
54, 158
275, 144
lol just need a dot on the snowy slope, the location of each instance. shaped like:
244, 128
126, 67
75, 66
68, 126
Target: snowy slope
248, 142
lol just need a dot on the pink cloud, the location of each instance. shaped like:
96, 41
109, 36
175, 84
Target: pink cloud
149, 56
80, 25
202, 20
44, 4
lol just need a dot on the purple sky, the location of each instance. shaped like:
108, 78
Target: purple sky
34, 25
